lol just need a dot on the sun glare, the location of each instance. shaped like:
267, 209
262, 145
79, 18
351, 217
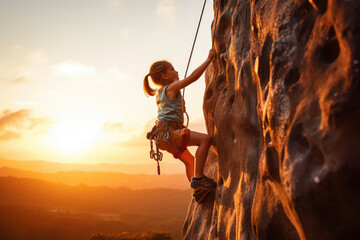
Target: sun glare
73, 136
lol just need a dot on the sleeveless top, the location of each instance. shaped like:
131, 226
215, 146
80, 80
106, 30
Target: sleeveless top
169, 110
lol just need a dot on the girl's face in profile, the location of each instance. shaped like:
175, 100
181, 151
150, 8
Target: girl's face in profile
172, 74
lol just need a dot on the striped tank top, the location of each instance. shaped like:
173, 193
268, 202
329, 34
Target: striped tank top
169, 110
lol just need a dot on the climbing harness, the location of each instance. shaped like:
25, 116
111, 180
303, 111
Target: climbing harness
160, 133
154, 135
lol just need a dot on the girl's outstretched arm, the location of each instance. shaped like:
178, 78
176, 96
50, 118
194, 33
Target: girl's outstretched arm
174, 87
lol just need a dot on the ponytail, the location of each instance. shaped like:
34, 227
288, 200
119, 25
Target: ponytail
156, 71
147, 89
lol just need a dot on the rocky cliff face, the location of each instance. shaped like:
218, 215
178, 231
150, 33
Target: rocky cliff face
282, 106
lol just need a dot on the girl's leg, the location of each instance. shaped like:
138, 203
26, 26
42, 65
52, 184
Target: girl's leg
203, 141
188, 159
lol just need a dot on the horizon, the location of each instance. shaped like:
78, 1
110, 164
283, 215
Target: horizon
71, 76
42, 166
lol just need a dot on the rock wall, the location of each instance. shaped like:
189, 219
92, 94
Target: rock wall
282, 107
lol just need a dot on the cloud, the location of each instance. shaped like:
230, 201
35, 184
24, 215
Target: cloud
72, 69
34, 123
13, 119
13, 124
20, 79
9, 135
167, 10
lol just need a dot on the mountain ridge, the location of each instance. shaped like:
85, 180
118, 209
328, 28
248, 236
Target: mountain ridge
110, 179
51, 167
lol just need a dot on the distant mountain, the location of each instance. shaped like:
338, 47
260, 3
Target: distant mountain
52, 167
36, 209
111, 179
82, 198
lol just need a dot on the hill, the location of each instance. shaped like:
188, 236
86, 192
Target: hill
111, 179
108, 200
44, 210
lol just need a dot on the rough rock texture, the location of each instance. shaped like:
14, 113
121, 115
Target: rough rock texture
282, 105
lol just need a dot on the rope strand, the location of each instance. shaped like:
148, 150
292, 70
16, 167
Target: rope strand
188, 64
192, 49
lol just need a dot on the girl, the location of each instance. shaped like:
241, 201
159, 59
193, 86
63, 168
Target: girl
169, 129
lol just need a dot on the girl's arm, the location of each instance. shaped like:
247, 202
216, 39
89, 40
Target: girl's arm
174, 87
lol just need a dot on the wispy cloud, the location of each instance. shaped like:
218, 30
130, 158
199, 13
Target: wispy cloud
9, 118
72, 69
167, 9
8, 135
13, 124
20, 79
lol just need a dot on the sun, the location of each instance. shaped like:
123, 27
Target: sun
73, 136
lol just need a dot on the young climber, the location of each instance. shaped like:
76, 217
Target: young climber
169, 129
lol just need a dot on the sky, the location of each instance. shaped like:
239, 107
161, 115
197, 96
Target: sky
71, 75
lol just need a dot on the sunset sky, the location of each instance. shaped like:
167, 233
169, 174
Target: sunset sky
71, 75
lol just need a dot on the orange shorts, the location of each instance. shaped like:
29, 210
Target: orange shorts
176, 142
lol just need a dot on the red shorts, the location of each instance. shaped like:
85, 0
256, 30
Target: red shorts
177, 141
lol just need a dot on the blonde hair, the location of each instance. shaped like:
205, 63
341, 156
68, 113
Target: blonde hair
156, 70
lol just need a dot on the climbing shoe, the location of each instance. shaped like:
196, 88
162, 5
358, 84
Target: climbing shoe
200, 194
202, 183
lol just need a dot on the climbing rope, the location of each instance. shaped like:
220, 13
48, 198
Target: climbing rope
188, 64
192, 49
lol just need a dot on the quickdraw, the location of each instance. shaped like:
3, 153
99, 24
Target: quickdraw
154, 136
156, 155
